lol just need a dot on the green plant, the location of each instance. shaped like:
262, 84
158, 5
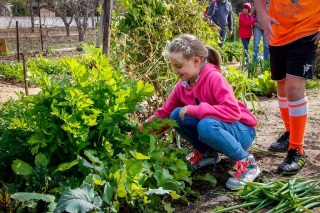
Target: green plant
12, 71
143, 31
4, 53
49, 66
243, 87
50, 50
80, 47
79, 200
265, 85
232, 51
82, 129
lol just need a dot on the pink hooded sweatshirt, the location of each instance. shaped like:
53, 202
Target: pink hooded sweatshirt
210, 97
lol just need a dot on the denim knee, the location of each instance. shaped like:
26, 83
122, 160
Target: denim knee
206, 128
175, 114
229, 139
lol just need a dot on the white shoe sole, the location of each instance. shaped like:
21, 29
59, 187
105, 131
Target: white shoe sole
234, 183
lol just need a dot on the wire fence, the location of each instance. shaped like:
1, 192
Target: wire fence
49, 38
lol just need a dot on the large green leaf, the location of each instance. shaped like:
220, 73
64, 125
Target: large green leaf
21, 168
139, 156
66, 166
108, 193
26, 196
166, 180
121, 177
41, 160
78, 200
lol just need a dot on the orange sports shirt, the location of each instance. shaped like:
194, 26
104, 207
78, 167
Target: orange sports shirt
297, 18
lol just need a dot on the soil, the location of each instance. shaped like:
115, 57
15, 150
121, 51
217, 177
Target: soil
269, 128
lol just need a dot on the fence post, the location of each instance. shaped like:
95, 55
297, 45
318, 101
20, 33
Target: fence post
26, 79
18, 43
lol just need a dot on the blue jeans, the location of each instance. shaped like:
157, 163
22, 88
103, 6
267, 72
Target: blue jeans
230, 139
257, 34
222, 36
245, 43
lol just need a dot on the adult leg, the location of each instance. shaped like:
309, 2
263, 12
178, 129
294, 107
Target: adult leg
230, 139
300, 62
265, 47
298, 109
245, 42
222, 35
257, 33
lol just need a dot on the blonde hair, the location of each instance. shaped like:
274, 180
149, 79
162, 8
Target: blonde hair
189, 45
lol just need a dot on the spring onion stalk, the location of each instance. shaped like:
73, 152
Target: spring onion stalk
285, 195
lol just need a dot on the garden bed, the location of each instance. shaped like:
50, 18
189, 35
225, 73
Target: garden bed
270, 126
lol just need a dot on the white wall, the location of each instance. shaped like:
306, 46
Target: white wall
6, 22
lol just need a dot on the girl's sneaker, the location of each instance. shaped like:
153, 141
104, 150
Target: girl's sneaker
247, 170
199, 160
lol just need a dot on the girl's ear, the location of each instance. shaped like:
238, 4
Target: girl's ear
197, 60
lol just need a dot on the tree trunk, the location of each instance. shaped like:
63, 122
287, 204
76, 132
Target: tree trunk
31, 16
66, 26
82, 33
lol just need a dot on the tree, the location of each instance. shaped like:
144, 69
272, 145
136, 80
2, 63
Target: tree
80, 10
60, 7
5, 8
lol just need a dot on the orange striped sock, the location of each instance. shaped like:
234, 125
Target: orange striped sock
284, 111
298, 111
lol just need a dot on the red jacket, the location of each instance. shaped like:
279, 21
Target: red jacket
245, 24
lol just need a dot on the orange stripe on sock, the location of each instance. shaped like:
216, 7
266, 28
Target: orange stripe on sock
282, 100
298, 123
297, 105
285, 118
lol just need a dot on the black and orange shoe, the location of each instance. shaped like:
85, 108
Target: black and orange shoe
282, 144
292, 163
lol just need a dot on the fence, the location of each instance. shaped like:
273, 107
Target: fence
51, 38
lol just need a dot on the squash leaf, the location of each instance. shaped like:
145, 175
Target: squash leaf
26, 196
78, 200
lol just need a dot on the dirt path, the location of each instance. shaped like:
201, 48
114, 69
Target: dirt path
8, 91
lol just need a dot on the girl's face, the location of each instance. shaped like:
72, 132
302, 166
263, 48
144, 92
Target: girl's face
185, 69
245, 10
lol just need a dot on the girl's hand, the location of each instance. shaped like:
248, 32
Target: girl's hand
182, 112
266, 23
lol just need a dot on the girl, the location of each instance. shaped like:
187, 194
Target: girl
245, 30
208, 114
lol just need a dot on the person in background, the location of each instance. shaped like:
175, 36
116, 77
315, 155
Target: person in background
258, 33
292, 30
208, 114
245, 29
220, 13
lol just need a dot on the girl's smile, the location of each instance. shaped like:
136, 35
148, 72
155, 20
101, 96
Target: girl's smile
187, 70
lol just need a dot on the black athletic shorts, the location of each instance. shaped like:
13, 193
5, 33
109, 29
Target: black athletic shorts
297, 58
